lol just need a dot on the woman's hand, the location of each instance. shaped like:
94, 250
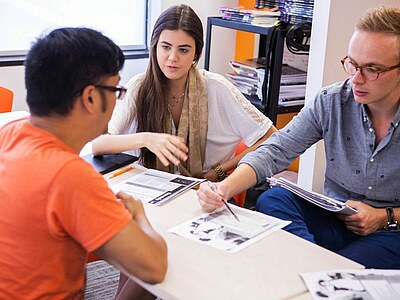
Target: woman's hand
168, 148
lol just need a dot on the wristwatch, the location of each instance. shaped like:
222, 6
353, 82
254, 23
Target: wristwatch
220, 173
391, 220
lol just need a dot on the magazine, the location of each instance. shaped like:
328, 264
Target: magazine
221, 230
322, 201
155, 187
365, 284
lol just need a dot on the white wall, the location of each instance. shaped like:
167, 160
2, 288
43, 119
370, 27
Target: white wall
333, 25
223, 40
223, 46
13, 79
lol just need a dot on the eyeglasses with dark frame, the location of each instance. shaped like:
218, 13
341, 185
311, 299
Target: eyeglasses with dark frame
369, 73
119, 91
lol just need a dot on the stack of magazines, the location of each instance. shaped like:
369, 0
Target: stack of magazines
296, 11
266, 3
322, 201
261, 17
292, 11
248, 76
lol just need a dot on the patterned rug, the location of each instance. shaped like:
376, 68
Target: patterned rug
102, 281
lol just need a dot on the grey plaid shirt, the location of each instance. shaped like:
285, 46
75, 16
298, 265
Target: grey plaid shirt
355, 168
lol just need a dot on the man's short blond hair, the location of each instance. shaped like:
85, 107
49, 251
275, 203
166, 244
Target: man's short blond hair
381, 19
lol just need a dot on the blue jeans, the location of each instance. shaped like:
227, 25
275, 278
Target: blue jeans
380, 250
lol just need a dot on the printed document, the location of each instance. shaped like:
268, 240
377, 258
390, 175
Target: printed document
221, 230
365, 284
322, 201
155, 187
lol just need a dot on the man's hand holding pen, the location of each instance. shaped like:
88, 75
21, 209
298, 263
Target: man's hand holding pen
210, 199
212, 196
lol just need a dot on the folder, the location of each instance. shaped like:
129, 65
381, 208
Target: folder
109, 162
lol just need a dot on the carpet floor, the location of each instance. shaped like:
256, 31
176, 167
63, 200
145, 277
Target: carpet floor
101, 281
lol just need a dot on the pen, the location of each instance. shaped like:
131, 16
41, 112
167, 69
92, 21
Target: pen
226, 204
121, 172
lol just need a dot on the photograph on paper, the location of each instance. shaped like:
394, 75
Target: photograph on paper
365, 284
221, 230
156, 187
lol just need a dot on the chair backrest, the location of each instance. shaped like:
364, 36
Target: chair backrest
6, 99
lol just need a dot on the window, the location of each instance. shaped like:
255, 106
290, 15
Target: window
22, 21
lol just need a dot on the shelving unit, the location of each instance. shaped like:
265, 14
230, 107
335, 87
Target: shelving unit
271, 45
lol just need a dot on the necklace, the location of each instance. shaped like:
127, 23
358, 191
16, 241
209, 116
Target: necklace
175, 102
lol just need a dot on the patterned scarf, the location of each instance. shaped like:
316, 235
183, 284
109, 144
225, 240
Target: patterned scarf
193, 126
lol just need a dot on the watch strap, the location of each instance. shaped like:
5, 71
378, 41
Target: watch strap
391, 220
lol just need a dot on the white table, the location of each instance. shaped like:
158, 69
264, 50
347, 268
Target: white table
11, 116
268, 269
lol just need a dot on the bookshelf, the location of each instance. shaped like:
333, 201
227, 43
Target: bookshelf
271, 45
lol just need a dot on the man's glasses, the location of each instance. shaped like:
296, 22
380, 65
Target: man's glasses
119, 91
369, 73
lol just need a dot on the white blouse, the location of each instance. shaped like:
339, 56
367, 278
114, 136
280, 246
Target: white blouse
231, 118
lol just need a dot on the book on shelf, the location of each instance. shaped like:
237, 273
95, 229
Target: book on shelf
320, 200
243, 70
246, 85
242, 79
285, 102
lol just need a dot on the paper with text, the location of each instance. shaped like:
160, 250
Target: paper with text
365, 284
221, 230
156, 187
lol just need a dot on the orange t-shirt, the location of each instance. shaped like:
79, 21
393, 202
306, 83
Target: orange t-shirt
54, 209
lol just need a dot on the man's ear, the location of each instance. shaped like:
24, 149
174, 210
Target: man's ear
88, 98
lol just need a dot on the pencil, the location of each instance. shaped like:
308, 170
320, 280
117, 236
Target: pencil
226, 204
121, 172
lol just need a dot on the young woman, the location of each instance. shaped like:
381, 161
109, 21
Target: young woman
175, 104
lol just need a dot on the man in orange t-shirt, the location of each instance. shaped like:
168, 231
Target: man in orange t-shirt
54, 208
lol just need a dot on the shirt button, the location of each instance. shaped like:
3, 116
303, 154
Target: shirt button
371, 159
371, 130
370, 187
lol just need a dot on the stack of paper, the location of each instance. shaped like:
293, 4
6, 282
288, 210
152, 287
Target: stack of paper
292, 11
248, 77
296, 11
322, 201
260, 17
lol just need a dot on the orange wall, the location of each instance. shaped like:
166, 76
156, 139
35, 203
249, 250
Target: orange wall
244, 40
281, 122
